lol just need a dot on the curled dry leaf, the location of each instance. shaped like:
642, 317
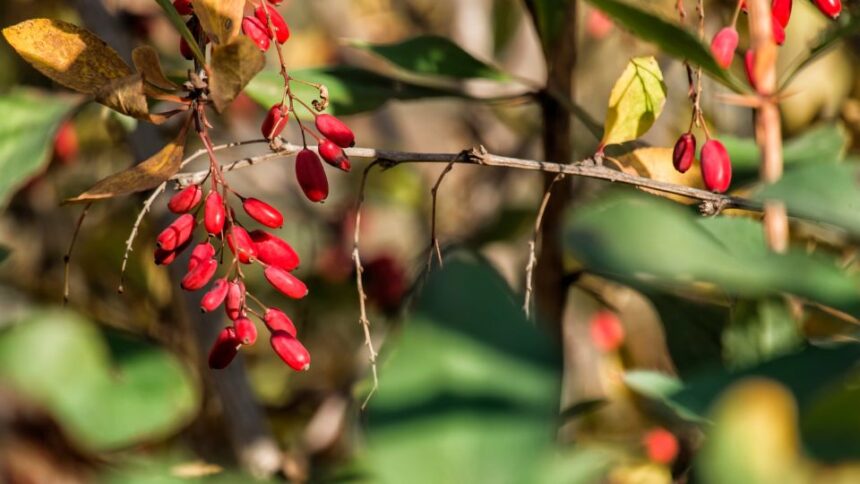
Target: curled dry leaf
148, 65
68, 54
656, 163
220, 19
233, 67
144, 176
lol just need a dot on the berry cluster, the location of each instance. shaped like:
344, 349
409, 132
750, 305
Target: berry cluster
716, 164
227, 235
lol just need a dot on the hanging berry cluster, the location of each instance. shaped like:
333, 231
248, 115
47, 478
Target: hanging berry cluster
227, 242
716, 164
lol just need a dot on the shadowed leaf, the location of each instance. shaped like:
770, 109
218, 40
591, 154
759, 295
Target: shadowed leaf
148, 65
656, 164
233, 67
143, 176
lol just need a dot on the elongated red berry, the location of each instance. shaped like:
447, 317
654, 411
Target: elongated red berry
201, 253
781, 11
263, 212
241, 244
235, 303
831, 8
185, 49
286, 283
164, 257
778, 32
275, 121
311, 176
215, 296
607, 333
183, 7
214, 214
684, 153
198, 277
246, 331
279, 25
291, 350
716, 166
724, 45
224, 350
749, 68
277, 320
256, 31
334, 155
335, 130
185, 200
273, 250
177, 233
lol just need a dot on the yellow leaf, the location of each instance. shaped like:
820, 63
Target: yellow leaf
656, 163
636, 101
68, 54
220, 19
143, 176
233, 66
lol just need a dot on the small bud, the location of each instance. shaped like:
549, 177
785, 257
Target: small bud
214, 214
246, 332
274, 251
215, 296
263, 212
334, 155
311, 176
724, 45
716, 166
291, 350
177, 233
335, 130
286, 283
277, 320
684, 153
224, 350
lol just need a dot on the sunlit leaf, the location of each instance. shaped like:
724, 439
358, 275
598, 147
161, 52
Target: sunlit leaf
656, 164
220, 19
636, 101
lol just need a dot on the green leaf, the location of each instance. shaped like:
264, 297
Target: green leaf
27, 128
655, 243
827, 193
821, 144
106, 395
180, 26
446, 392
636, 101
434, 56
351, 89
669, 37
758, 331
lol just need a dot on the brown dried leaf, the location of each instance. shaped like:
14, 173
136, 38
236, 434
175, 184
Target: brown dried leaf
143, 176
233, 67
68, 54
220, 19
149, 67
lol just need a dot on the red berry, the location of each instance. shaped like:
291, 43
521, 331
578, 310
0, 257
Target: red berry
749, 68
177, 233
224, 350
183, 7
684, 153
781, 11
263, 212
275, 122
285, 282
724, 45
164, 257
66, 143
256, 31
235, 304
200, 275
778, 32
185, 200
241, 244
246, 331
185, 49
607, 333
385, 283
831, 8
282, 30
335, 130
291, 350
215, 296
311, 176
214, 214
277, 320
274, 251
334, 155
275, 2
716, 166
201, 253
661, 446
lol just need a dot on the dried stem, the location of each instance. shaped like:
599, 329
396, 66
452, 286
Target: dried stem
68, 257
434, 241
359, 284
147, 206
530, 267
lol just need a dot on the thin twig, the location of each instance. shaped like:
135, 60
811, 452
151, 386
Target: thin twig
147, 206
359, 283
533, 244
67, 259
434, 240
